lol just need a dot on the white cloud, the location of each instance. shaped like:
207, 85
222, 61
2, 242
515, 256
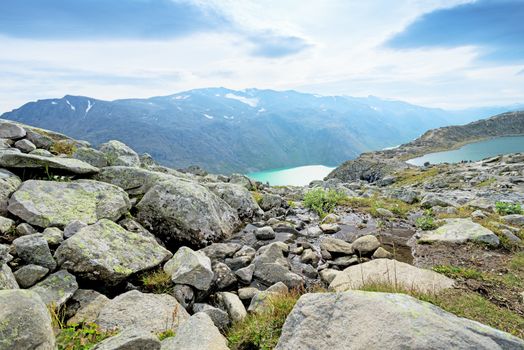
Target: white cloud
345, 57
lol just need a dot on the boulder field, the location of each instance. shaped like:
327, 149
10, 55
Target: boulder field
157, 258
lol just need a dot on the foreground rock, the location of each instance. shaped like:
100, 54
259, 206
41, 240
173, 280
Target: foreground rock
390, 272
153, 313
197, 333
132, 339
56, 289
185, 212
14, 160
49, 203
364, 320
460, 231
108, 253
24, 322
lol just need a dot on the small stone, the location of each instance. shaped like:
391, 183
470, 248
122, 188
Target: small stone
190, 267
219, 317
73, 227
366, 244
25, 145
328, 275
33, 249
184, 295
223, 276
478, 214
220, 251
247, 293
28, 275
57, 288
245, 274
382, 253
344, 261
53, 235
117, 153
330, 228
232, 304
130, 339
335, 245
6, 225
385, 213
264, 233
25, 229
309, 257
330, 219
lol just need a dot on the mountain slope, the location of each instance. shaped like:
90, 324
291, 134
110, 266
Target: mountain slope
224, 130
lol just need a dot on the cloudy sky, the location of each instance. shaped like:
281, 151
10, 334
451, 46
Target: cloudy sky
444, 53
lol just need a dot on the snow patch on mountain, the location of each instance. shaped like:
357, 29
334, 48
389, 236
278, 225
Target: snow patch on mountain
253, 102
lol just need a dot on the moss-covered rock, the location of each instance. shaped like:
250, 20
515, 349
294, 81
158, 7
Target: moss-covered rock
57, 288
49, 203
118, 153
108, 253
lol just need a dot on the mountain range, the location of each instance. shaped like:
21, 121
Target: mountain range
223, 130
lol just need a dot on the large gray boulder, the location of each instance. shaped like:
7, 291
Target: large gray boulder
25, 322
56, 289
108, 253
50, 203
191, 268
135, 181
9, 182
33, 249
15, 160
90, 156
118, 153
11, 131
238, 197
366, 320
392, 272
460, 231
197, 333
181, 211
153, 313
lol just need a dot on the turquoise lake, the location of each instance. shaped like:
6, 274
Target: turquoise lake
474, 151
299, 176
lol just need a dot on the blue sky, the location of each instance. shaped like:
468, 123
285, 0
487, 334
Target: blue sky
445, 53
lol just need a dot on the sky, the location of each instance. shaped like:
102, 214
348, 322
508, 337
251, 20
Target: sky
439, 53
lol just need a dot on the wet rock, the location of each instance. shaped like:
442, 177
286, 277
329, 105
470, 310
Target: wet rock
460, 231
50, 203
191, 268
352, 320
264, 233
366, 245
33, 249
25, 321
197, 333
28, 275
57, 288
390, 272
108, 253
135, 310
183, 211
117, 153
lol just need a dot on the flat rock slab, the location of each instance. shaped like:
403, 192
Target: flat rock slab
460, 231
25, 321
9, 159
153, 313
368, 320
50, 203
108, 253
391, 272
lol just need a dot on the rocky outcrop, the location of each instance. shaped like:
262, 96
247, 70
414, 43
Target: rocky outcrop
353, 320
14, 160
49, 203
460, 231
181, 211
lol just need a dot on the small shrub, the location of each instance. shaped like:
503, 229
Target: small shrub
291, 204
323, 202
158, 281
63, 147
426, 223
262, 330
82, 336
257, 196
505, 208
166, 334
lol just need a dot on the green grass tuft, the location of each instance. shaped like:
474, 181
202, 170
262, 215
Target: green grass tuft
505, 208
323, 201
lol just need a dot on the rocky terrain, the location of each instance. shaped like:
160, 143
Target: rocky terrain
105, 249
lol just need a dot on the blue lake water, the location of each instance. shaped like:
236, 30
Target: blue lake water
299, 176
474, 151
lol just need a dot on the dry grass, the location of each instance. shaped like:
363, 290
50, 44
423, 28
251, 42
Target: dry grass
63, 147
156, 281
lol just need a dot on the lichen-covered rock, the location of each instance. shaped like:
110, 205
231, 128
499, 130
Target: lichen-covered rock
16, 160
118, 153
135, 181
85, 306
53, 235
153, 313
367, 320
28, 275
191, 268
131, 339
9, 182
7, 279
220, 251
238, 197
33, 249
181, 211
25, 322
390, 272
49, 203
57, 288
90, 156
460, 231
108, 253
197, 333
6, 225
